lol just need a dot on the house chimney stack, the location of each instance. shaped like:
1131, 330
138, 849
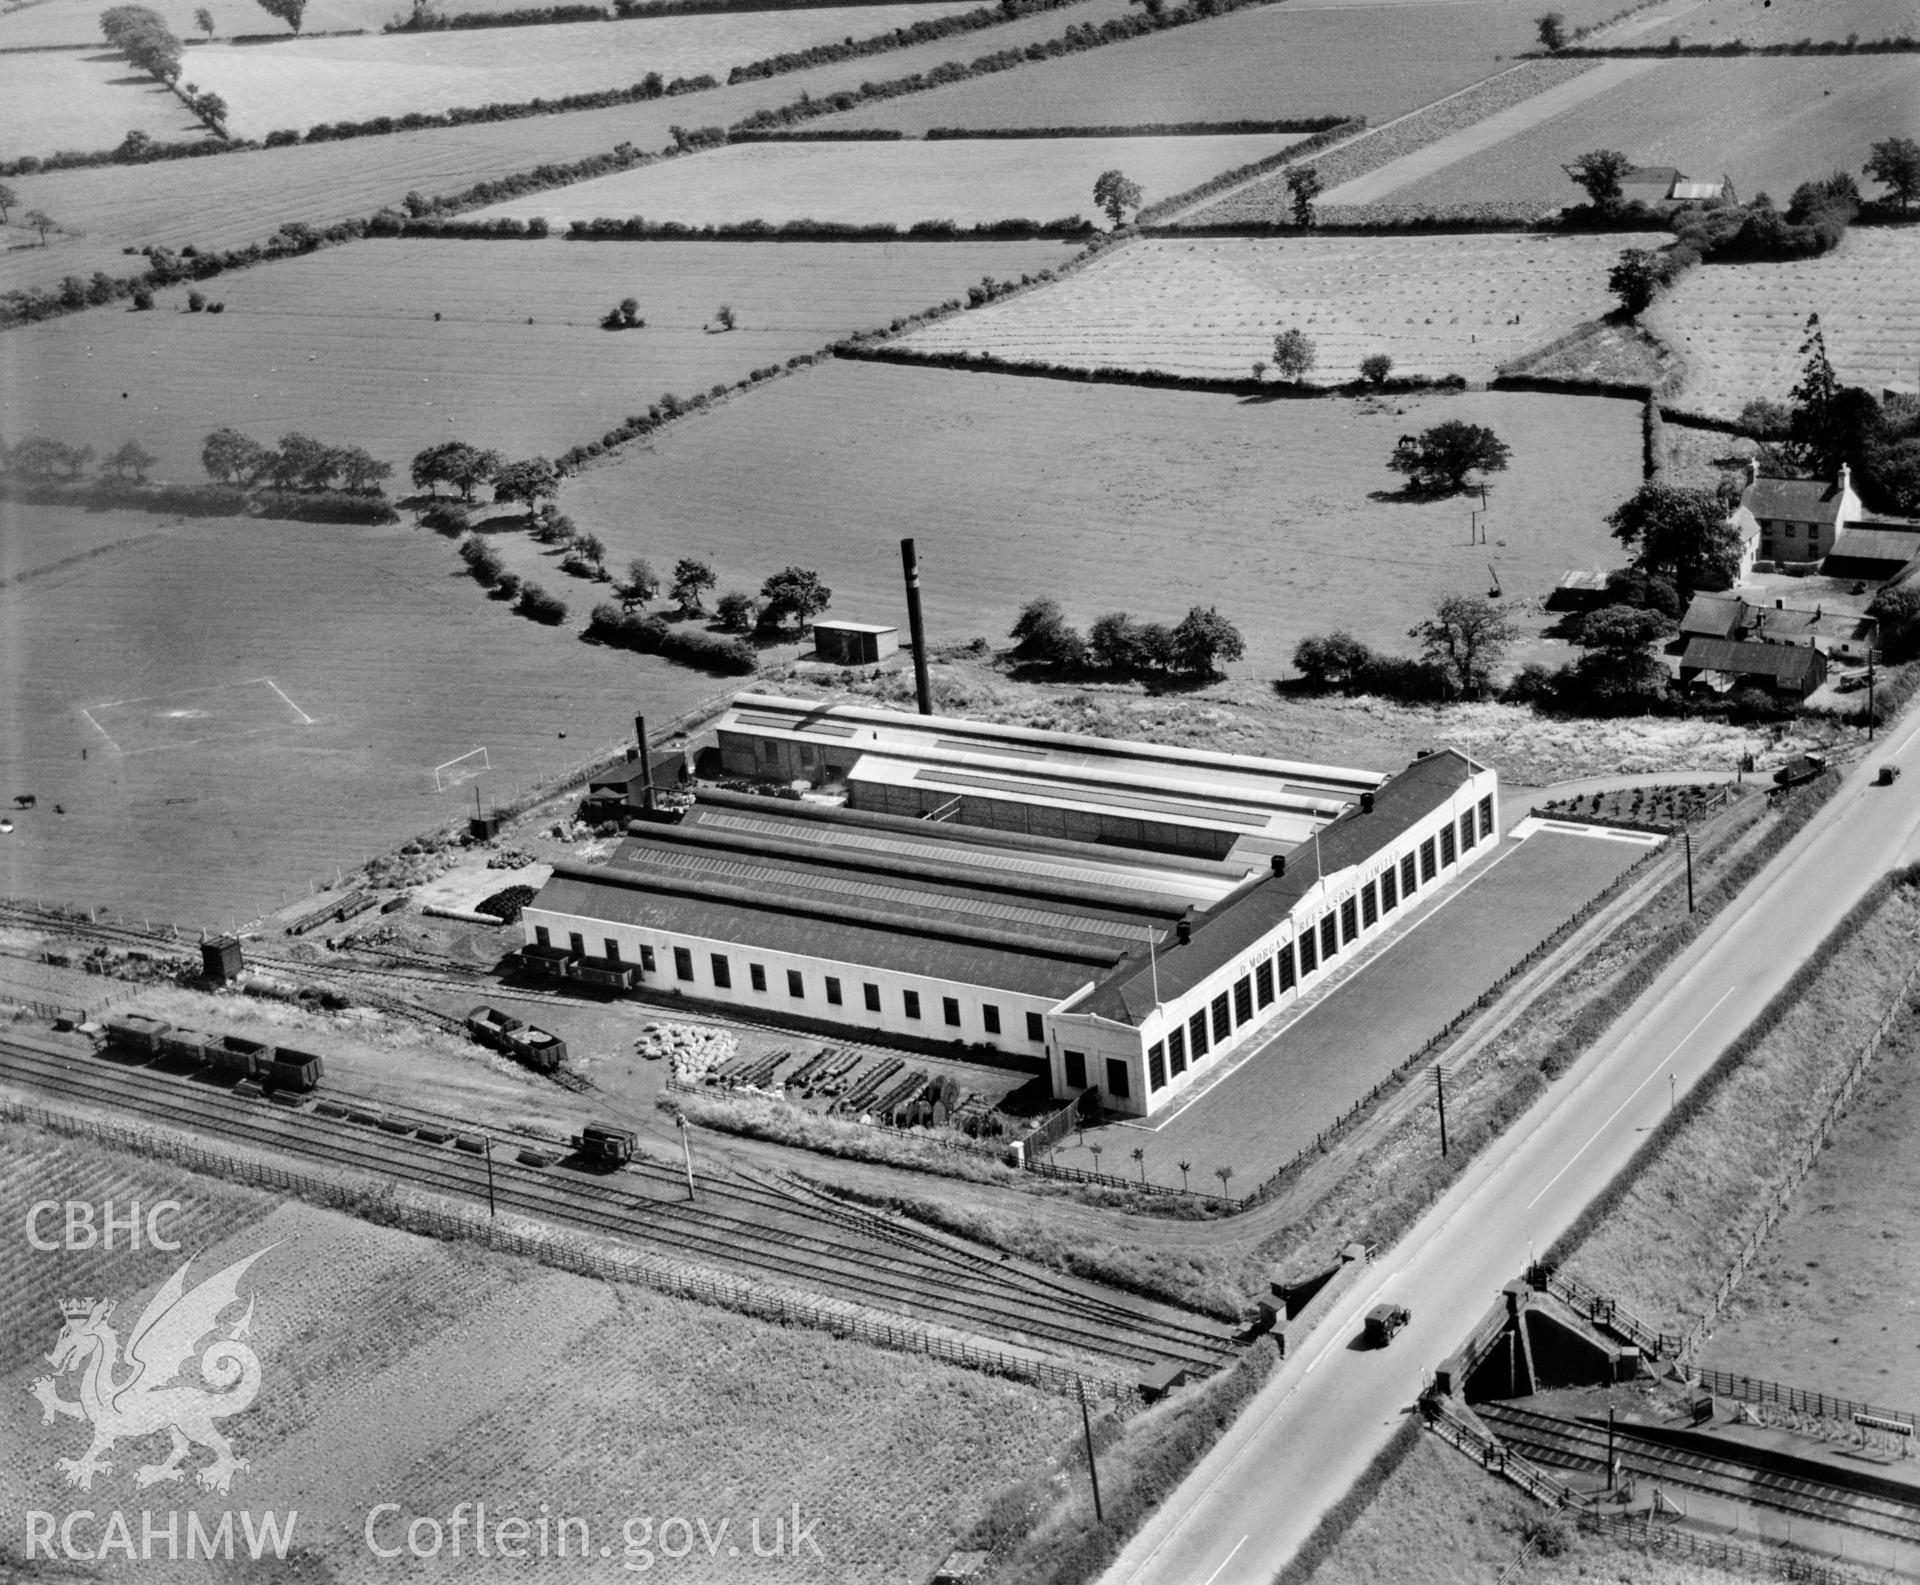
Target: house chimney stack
916, 627
1846, 478
1753, 470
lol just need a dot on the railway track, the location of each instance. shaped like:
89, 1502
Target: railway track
1571, 1444
749, 1223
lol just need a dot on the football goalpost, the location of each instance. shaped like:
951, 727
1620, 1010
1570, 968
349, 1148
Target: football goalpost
462, 768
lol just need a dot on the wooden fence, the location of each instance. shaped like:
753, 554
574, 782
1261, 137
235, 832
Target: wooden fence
1755, 1562
387, 1202
1470, 1437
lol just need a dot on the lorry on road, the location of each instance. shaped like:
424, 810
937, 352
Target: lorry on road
1384, 1320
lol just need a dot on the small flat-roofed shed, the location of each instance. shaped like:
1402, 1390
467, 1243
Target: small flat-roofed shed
854, 643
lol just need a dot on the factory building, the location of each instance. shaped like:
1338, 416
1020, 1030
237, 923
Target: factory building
1124, 914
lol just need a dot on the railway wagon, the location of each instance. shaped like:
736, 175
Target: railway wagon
491, 1027
238, 1055
287, 1069
606, 1146
136, 1032
541, 1051
181, 1044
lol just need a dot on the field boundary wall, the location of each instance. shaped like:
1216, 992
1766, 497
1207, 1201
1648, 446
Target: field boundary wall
409, 1212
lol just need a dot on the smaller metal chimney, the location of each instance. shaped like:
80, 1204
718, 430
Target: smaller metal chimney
646, 762
916, 627
1279, 864
1366, 803
1183, 931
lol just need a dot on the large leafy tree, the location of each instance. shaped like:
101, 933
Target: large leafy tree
288, 11
1680, 533
1335, 661
1304, 186
132, 458
692, 578
1895, 164
1439, 460
303, 461
793, 595
1293, 354
1600, 173
526, 481
234, 458
1113, 192
1466, 636
361, 471
1042, 633
1204, 639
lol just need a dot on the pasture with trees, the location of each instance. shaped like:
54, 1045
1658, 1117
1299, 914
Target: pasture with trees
1440, 460
1115, 195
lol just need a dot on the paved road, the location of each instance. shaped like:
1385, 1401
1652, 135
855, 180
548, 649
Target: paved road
1245, 1511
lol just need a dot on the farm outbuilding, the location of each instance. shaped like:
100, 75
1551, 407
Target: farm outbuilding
854, 643
1791, 671
1117, 965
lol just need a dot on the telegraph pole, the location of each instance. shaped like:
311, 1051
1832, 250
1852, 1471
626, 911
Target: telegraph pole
491, 1209
1869, 693
686, 1146
1086, 1425
1440, 1094
1687, 832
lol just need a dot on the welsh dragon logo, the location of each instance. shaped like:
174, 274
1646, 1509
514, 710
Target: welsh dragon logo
139, 1396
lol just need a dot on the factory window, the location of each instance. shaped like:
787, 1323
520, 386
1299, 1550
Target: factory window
910, 1000
1329, 938
1263, 981
1486, 815
1369, 906
757, 976
1177, 1050
833, 991
542, 936
1447, 851
872, 993
1197, 1034
1428, 869
1036, 1029
1466, 831
1406, 876
576, 944
613, 948
1119, 1083
646, 960
950, 1010
1157, 1065
990, 1017
796, 983
1284, 957
1349, 920
1076, 1070
722, 975
683, 964
1389, 892
1309, 958
1222, 1018
1243, 999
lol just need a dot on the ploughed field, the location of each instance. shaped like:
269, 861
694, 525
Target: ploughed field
1697, 115
104, 210
405, 1370
1436, 304
1111, 499
1739, 328
220, 802
344, 344
305, 82
964, 180
84, 100
1286, 60
1723, 21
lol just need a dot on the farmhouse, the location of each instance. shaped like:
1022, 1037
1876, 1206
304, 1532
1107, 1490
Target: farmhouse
1118, 914
1799, 518
1790, 671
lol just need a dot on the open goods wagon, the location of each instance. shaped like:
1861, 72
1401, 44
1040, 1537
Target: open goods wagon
281, 1067
538, 1049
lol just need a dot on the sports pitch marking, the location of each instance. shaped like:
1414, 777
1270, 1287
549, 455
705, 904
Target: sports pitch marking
177, 714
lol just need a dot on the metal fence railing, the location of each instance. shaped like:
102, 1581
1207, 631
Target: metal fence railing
1823, 1405
1754, 1562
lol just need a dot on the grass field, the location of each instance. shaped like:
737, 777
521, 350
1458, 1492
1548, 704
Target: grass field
85, 101
1698, 115
965, 181
1213, 306
345, 344
400, 1369
1274, 1103
1372, 60
106, 210
1664, 1249
304, 82
1759, 22
42, 22
1739, 327
1019, 487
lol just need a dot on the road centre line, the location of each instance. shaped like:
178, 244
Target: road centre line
1225, 1561
1568, 1164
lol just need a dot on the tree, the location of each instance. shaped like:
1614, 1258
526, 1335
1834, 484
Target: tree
1624, 629
593, 548
302, 460
1335, 661
37, 459
541, 606
1293, 354
1304, 184
234, 458
692, 578
469, 467
482, 560
1897, 609
1600, 173
1466, 636
793, 593
526, 481
1042, 633
361, 471
1766, 419
1681, 533
1552, 29
1895, 164
736, 610
40, 221
203, 20
9, 199
1115, 194
641, 585
1438, 460
1375, 367
288, 11
1204, 639
725, 316
1113, 643
1633, 279
131, 458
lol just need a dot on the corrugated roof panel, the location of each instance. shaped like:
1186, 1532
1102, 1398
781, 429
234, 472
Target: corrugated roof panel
1098, 798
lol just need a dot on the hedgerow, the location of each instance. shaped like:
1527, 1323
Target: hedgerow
637, 228
652, 635
1147, 129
